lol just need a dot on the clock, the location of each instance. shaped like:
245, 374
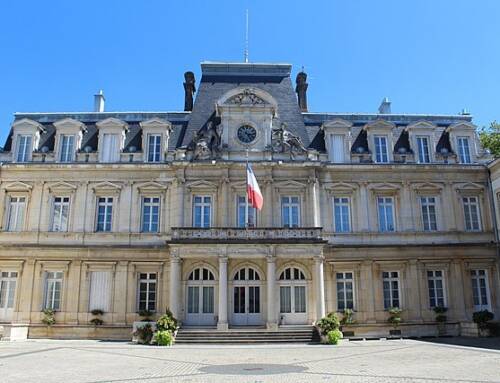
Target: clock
247, 134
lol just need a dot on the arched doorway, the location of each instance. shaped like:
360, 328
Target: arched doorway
293, 293
246, 297
200, 298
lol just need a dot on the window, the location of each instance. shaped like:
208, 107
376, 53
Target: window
17, 209
435, 282
150, 214
104, 213
381, 155
341, 214
201, 291
202, 211
53, 289
147, 292
423, 150
290, 211
480, 289
463, 150
471, 213
8, 281
110, 148
67, 150
391, 289
428, 206
345, 296
252, 213
24, 148
385, 214
154, 148
292, 291
337, 148
60, 214
100, 291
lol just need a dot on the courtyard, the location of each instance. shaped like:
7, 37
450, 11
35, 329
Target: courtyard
452, 359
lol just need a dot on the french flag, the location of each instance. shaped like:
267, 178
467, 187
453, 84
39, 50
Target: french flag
253, 191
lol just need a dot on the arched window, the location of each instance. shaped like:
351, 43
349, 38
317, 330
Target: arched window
247, 274
292, 274
201, 274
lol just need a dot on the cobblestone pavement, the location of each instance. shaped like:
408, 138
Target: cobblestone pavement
363, 361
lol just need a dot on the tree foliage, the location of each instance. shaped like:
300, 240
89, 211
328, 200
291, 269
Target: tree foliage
490, 138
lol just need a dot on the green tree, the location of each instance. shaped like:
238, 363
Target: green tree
490, 138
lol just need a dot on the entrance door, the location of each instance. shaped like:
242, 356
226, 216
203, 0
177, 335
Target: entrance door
200, 300
246, 298
8, 280
293, 288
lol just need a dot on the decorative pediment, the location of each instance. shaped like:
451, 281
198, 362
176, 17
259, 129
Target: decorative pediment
62, 186
461, 126
239, 185
106, 186
384, 187
155, 123
202, 185
112, 122
340, 187
17, 186
28, 123
427, 187
469, 187
379, 125
421, 125
290, 185
151, 186
245, 98
70, 123
337, 123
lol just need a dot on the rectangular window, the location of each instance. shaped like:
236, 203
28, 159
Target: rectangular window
423, 150
202, 211
67, 150
337, 148
428, 206
147, 292
480, 290
150, 214
100, 291
252, 213
290, 211
110, 151
154, 147
435, 282
385, 214
8, 281
60, 214
390, 281
285, 299
53, 290
17, 211
24, 148
471, 213
463, 150
104, 213
342, 214
381, 155
345, 289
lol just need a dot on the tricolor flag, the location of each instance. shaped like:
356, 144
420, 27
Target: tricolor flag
253, 191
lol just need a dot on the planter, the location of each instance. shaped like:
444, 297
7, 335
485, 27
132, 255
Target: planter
395, 332
140, 324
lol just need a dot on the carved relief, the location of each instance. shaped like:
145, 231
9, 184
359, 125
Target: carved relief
245, 98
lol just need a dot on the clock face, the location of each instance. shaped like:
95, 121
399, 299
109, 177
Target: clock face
246, 134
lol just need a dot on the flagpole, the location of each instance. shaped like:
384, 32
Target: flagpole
246, 188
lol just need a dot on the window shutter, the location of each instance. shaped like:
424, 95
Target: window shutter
100, 291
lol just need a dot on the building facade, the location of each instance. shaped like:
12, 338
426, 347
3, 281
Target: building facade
132, 211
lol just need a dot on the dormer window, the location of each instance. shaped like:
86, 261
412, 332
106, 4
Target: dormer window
24, 148
337, 140
154, 147
423, 149
381, 152
69, 134
380, 140
111, 139
67, 150
463, 150
337, 145
155, 136
110, 152
464, 141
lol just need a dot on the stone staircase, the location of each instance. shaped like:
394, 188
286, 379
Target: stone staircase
289, 334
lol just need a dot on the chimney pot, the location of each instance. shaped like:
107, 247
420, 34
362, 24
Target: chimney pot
301, 89
385, 106
99, 102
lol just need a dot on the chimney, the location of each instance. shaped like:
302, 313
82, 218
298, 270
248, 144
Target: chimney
189, 89
99, 102
385, 106
301, 90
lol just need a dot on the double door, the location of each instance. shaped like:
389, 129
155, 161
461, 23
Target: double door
200, 305
246, 305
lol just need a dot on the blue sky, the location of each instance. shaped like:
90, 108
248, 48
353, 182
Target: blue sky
427, 56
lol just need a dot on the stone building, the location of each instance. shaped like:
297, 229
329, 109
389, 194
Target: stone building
131, 211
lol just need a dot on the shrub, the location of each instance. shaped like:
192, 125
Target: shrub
97, 312
347, 317
146, 315
164, 338
144, 334
334, 336
328, 323
97, 321
493, 328
395, 316
49, 317
440, 311
167, 323
481, 318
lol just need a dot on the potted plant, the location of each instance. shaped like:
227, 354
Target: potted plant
441, 319
328, 328
144, 334
395, 320
49, 317
481, 318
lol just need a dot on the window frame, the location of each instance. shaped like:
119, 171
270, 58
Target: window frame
203, 205
466, 206
151, 156
53, 211
423, 151
151, 204
147, 281
27, 148
290, 205
486, 278
390, 278
393, 216
58, 278
435, 278
22, 226
379, 157
251, 211
426, 215
464, 156
349, 213
106, 205
344, 280
69, 156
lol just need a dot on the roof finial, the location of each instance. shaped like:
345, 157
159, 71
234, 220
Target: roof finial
246, 38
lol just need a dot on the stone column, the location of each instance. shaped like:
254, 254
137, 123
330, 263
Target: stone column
222, 323
367, 291
272, 320
319, 283
406, 208
413, 289
120, 293
364, 208
175, 285
314, 202
457, 291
